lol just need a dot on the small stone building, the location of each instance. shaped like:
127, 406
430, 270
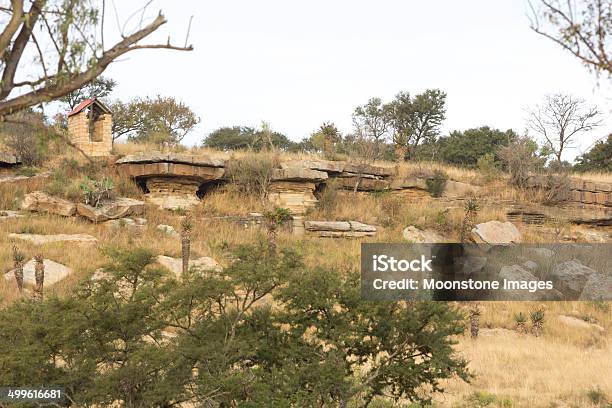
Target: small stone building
90, 127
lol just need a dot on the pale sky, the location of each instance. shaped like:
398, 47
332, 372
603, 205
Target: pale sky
298, 64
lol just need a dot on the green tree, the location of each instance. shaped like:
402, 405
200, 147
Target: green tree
417, 119
100, 87
159, 120
599, 158
138, 335
372, 120
59, 45
466, 147
243, 137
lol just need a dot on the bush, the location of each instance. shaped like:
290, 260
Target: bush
328, 196
95, 191
27, 146
487, 166
436, 183
520, 159
557, 188
253, 172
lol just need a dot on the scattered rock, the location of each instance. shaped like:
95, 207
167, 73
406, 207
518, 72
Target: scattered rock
532, 266
111, 210
168, 230
570, 277
597, 287
418, 236
175, 265
39, 239
42, 202
131, 225
496, 232
575, 322
54, 272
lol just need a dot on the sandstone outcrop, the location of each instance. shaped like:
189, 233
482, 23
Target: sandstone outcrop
339, 229
111, 209
43, 202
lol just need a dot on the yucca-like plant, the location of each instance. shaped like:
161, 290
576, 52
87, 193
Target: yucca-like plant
18, 259
471, 211
474, 312
537, 321
186, 229
521, 322
39, 275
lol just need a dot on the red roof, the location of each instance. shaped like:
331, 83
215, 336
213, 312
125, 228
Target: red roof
81, 106
85, 104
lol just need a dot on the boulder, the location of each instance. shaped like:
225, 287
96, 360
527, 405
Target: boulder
175, 265
54, 272
39, 239
496, 232
327, 226
7, 158
111, 210
418, 236
532, 266
597, 287
516, 273
542, 252
168, 230
570, 277
298, 174
42, 202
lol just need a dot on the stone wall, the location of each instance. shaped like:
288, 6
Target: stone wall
100, 143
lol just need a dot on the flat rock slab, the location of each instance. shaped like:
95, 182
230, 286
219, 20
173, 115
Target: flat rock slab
496, 232
111, 210
39, 239
322, 165
571, 276
327, 226
175, 265
579, 323
43, 202
369, 169
340, 229
54, 272
8, 214
194, 160
298, 174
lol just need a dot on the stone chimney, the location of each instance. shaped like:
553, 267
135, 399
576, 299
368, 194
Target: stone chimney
90, 128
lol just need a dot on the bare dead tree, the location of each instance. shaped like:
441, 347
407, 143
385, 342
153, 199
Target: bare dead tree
560, 119
584, 28
56, 46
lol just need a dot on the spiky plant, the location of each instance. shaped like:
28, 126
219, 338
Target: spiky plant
18, 258
537, 321
475, 312
471, 211
521, 322
186, 229
39, 275
275, 218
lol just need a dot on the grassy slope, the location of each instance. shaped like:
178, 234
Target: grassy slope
560, 367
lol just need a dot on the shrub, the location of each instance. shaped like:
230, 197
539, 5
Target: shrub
253, 172
520, 159
557, 189
94, 191
390, 207
27, 146
436, 183
328, 196
487, 166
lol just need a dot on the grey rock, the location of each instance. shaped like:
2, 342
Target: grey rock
418, 236
570, 277
597, 287
327, 226
496, 232
54, 272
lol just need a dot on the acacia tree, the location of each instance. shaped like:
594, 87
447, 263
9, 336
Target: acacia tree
50, 48
560, 119
584, 28
417, 119
372, 120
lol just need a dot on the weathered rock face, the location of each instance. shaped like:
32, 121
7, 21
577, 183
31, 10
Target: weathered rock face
339, 229
42, 202
581, 191
298, 174
111, 210
298, 197
418, 236
39, 239
8, 159
175, 265
571, 276
458, 189
597, 287
496, 232
322, 165
54, 272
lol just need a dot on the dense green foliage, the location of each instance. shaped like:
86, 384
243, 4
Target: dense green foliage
242, 137
599, 158
138, 335
465, 148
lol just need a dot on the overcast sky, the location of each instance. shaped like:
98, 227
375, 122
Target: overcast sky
298, 64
